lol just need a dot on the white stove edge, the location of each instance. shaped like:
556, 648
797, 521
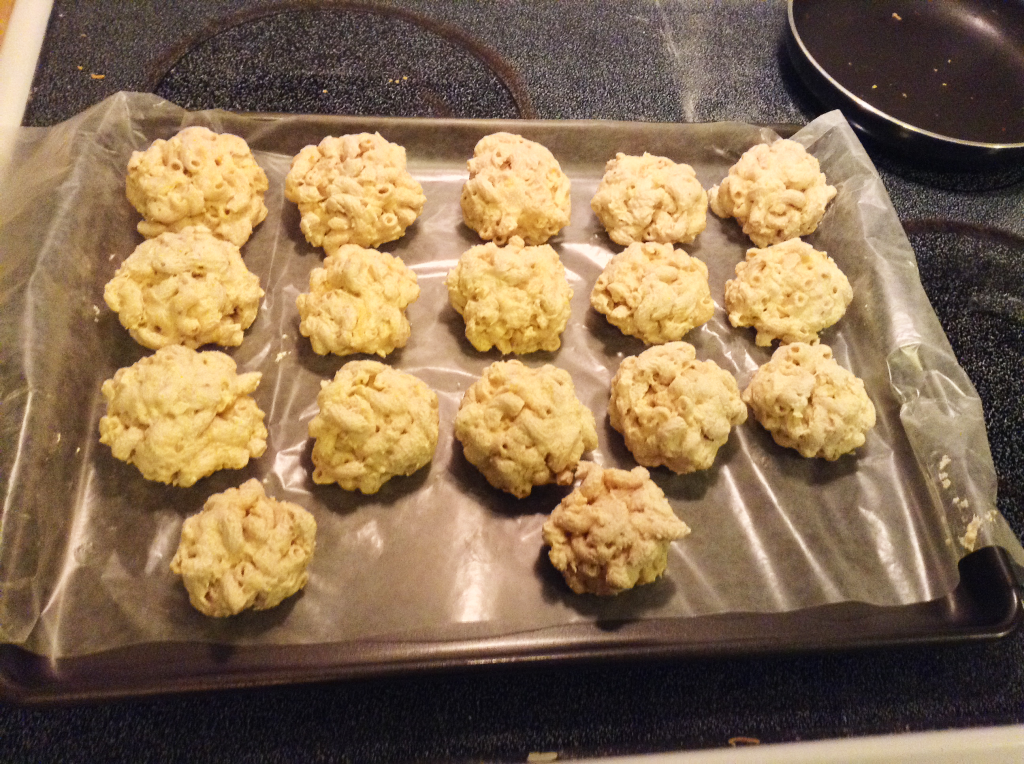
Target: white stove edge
23, 41
18, 56
986, 745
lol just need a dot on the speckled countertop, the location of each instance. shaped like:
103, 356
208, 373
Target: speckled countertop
689, 60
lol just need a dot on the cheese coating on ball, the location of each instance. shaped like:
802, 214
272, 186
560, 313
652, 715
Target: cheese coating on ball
515, 298
654, 292
788, 292
809, 402
374, 423
356, 303
515, 188
524, 427
198, 177
244, 550
650, 198
185, 288
775, 192
353, 189
612, 532
672, 409
179, 415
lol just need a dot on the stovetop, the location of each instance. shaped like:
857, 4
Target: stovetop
685, 60
580, 60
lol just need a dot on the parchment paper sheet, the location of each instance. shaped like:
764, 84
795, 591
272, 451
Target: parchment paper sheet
85, 541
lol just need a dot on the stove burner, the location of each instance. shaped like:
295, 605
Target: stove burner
342, 59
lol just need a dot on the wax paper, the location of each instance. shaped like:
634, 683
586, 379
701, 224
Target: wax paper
85, 541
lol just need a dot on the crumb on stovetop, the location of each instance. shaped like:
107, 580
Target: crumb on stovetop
743, 740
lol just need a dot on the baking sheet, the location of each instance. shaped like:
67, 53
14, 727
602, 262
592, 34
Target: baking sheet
85, 542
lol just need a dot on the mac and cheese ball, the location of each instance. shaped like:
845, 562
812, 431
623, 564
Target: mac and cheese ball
612, 532
179, 415
672, 409
788, 292
650, 198
374, 423
515, 298
198, 177
810, 403
654, 292
185, 288
776, 192
244, 550
515, 188
524, 427
356, 303
353, 189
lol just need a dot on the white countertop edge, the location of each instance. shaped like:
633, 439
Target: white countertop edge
992, 745
18, 56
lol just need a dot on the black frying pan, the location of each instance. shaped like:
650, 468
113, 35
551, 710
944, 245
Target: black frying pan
942, 80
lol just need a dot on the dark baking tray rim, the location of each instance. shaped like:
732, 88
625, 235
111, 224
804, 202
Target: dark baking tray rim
985, 605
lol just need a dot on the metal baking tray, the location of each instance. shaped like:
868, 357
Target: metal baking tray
983, 603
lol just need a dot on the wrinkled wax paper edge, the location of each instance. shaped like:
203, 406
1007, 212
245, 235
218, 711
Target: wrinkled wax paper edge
934, 391
937, 397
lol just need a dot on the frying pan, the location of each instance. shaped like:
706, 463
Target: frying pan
941, 80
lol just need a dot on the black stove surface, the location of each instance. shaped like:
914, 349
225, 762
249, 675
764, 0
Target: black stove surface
687, 60
389, 63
